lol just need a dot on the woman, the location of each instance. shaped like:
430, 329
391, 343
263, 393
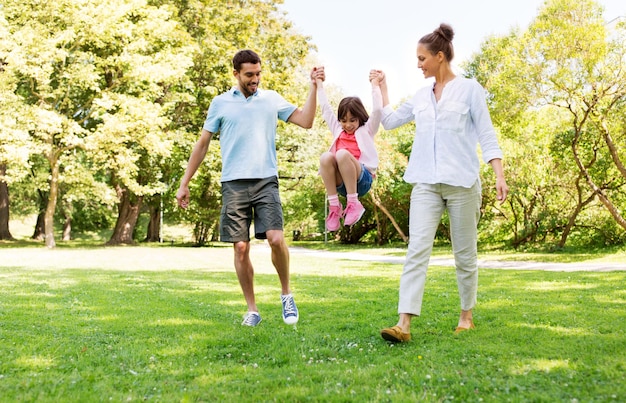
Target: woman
451, 120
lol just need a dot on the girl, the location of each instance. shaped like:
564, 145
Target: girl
349, 167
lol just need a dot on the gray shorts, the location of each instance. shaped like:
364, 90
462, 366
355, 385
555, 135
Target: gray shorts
246, 200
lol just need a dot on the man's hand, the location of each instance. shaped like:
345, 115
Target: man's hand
318, 74
182, 196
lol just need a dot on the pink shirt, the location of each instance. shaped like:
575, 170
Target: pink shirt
348, 142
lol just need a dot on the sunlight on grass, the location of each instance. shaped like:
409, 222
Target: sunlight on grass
497, 303
105, 318
606, 299
36, 294
554, 285
231, 302
568, 331
35, 362
179, 321
542, 365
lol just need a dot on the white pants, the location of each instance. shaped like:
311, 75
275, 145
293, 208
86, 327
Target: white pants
428, 203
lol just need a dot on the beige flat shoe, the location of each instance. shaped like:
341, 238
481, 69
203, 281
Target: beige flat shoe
462, 329
395, 335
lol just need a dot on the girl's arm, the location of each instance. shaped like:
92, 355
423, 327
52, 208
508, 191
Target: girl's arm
327, 112
373, 122
377, 77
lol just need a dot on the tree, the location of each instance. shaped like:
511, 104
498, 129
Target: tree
14, 143
557, 96
92, 70
5, 233
581, 63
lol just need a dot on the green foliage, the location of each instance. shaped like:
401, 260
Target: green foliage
557, 99
91, 217
14, 139
114, 94
92, 76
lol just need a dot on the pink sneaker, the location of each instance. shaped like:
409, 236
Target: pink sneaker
354, 212
334, 215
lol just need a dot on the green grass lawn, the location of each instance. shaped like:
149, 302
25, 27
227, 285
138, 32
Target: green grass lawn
163, 324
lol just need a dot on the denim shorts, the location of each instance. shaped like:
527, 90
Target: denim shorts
246, 200
363, 184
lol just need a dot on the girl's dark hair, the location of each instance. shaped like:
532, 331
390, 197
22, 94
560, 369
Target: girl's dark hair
355, 107
245, 56
440, 40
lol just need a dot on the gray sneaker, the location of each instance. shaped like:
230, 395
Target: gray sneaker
251, 319
290, 311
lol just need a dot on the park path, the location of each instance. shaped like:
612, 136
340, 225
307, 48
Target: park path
488, 264
220, 258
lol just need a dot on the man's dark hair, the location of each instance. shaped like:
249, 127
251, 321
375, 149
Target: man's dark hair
245, 56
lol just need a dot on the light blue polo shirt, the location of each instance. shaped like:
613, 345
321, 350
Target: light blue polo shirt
247, 129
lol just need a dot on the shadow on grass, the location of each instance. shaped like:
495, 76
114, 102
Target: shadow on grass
176, 335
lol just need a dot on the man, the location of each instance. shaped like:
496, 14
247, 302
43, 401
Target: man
246, 118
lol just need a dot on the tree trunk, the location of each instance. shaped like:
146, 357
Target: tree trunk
67, 228
39, 232
574, 215
5, 234
604, 199
200, 232
52, 202
393, 221
154, 226
66, 211
128, 212
379, 238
